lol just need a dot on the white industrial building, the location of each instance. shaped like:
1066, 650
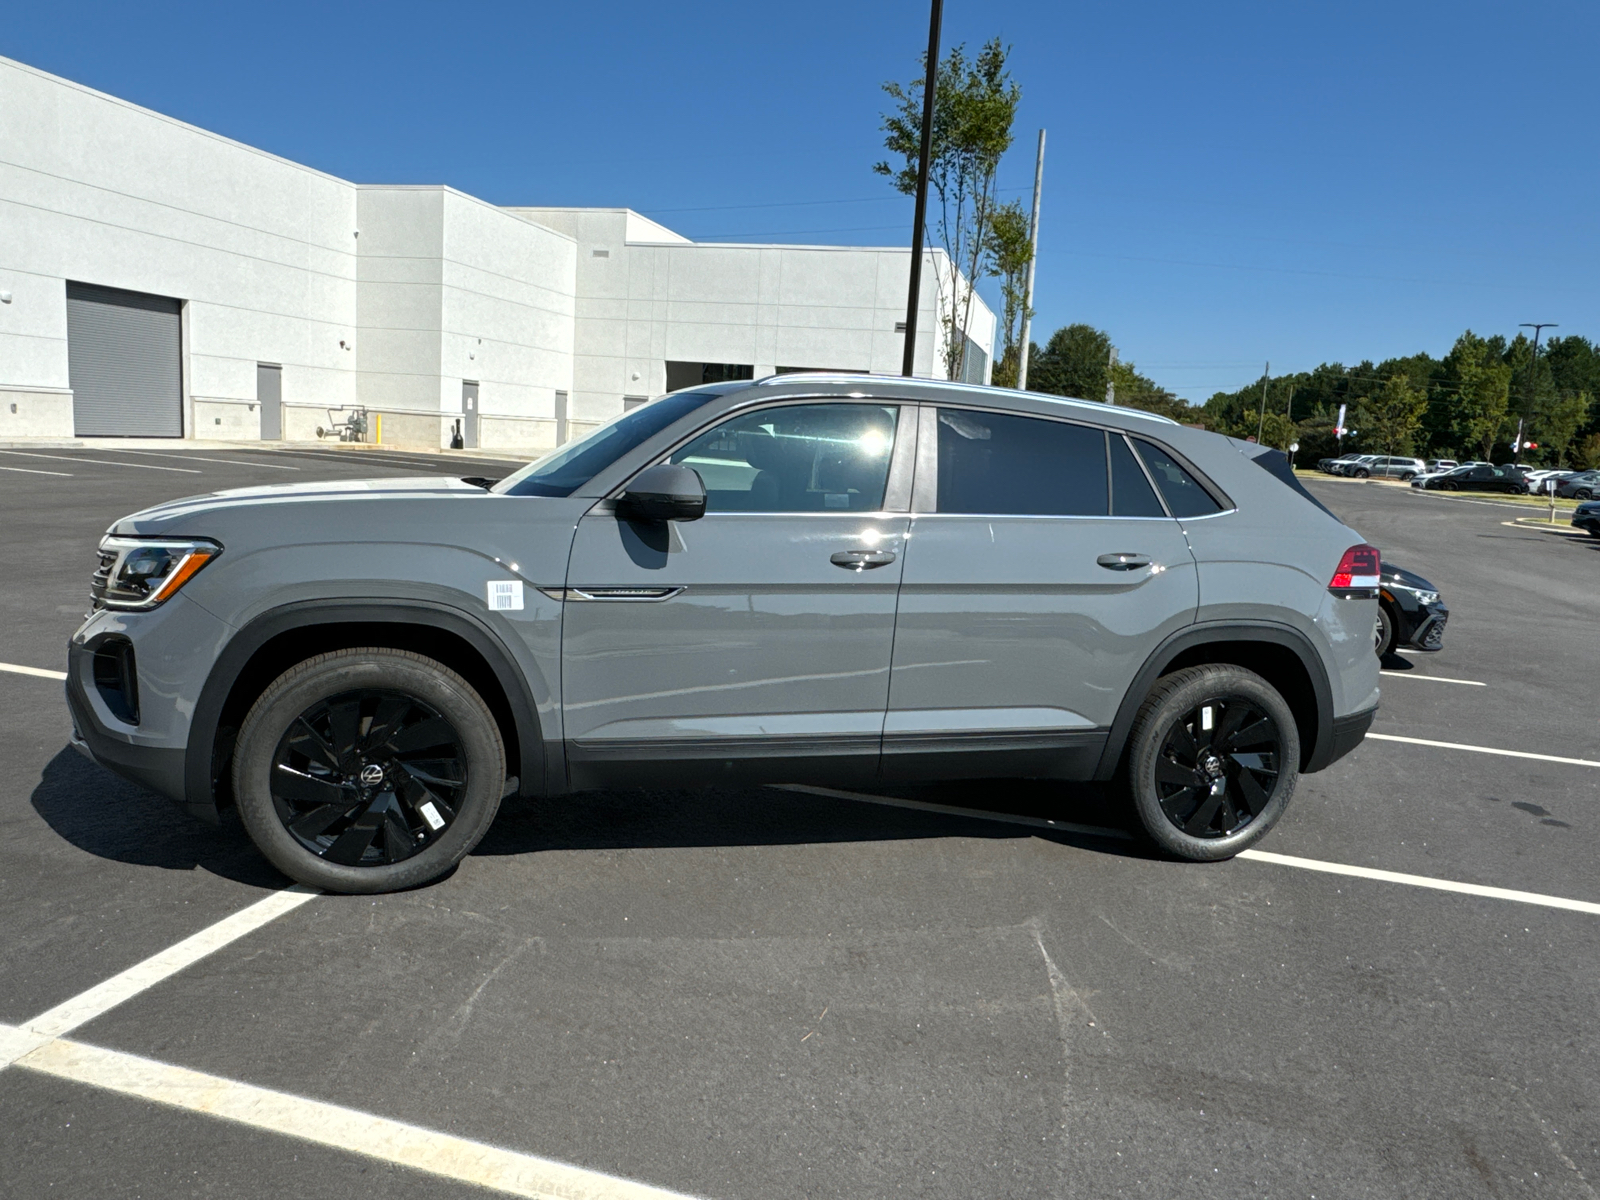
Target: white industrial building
160, 280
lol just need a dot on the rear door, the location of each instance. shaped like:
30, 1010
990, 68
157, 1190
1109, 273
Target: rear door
757, 638
1040, 572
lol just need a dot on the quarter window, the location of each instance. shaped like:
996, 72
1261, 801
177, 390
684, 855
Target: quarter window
1183, 493
1000, 464
801, 458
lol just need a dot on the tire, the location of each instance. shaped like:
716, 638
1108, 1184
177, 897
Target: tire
1362, 474
1174, 812
1384, 631
1583, 494
1408, 477
368, 816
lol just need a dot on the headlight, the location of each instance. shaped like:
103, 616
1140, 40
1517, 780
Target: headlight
144, 572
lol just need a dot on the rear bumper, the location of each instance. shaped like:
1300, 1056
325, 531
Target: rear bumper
1349, 731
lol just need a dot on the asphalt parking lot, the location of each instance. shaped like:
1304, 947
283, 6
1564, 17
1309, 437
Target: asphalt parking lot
771, 993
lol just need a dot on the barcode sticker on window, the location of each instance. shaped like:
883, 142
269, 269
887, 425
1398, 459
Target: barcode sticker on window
505, 595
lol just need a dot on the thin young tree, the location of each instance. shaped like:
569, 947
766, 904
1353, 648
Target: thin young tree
974, 110
1009, 252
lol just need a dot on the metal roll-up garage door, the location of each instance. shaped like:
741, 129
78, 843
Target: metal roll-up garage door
124, 361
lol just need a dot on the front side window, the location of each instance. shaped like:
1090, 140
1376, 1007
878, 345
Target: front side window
993, 463
797, 458
564, 471
1181, 490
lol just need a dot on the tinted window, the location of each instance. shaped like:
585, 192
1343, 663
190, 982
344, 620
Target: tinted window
801, 458
566, 470
993, 463
1130, 490
1184, 495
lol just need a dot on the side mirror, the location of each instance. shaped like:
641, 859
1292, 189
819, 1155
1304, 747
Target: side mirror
665, 492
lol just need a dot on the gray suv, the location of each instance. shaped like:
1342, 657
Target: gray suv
838, 580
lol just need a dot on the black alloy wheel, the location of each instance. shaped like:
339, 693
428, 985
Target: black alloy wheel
1212, 761
368, 777
1584, 494
368, 769
1218, 767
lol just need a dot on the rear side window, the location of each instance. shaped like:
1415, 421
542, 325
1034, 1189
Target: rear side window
1182, 492
1130, 490
994, 463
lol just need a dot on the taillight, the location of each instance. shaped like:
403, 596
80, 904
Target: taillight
1357, 573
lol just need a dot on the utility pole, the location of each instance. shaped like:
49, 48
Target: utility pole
1033, 257
1111, 379
914, 300
1533, 374
1262, 422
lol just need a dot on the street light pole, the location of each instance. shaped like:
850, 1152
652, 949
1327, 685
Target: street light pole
1533, 373
1033, 257
914, 299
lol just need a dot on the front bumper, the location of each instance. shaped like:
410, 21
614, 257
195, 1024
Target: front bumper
159, 768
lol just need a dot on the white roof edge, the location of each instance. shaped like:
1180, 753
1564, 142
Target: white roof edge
919, 381
150, 112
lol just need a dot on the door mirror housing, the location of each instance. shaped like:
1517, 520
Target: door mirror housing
665, 492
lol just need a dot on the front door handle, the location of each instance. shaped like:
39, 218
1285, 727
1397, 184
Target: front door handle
1123, 562
861, 560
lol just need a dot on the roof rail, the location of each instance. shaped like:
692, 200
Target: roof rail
918, 382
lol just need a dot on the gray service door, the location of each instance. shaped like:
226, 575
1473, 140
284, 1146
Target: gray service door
124, 362
1035, 588
469, 414
748, 634
269, 397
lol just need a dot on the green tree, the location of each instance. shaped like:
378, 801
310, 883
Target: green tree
1074, 362
1556, 422
1390, 418
1587, 455
1279, 432
1009, 253
974, 108
1483, 392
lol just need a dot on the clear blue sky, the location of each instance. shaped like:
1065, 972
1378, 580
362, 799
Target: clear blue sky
1225, 183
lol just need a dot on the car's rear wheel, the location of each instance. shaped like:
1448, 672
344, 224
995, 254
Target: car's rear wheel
1584, 494
1408, 476
1361, 474
1212, 761
368, 770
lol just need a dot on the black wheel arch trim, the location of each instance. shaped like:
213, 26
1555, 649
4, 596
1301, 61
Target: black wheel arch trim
199, 767
1313, 758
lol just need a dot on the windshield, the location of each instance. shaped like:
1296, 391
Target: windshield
564, 471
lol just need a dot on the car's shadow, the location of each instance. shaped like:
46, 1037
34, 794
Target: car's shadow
106, 816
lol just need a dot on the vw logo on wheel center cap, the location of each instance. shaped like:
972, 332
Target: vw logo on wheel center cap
371, 775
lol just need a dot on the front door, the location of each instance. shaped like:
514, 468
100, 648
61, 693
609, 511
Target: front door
756, 640
1041, 572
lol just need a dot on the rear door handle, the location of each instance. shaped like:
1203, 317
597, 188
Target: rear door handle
861, 560
1123, 562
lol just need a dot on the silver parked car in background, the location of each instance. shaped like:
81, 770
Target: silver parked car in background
823, 579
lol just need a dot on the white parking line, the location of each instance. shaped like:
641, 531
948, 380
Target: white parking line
952, 811
331, 1125
1554, 758
102, 462
31, 471
232, 462
1422, 881
39, 671
1432, 678
86, 1006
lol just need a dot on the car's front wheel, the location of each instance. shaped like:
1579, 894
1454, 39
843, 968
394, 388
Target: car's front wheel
1212, 761
1361, 474
368, 770
1383, 632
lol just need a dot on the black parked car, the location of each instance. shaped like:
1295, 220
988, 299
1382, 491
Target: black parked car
1410, 613
1587, 518
1482, 478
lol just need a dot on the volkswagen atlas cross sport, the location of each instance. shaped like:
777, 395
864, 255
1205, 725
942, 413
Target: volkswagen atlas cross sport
840, 580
